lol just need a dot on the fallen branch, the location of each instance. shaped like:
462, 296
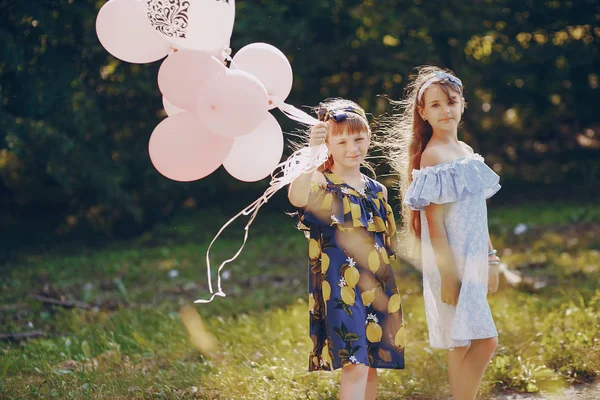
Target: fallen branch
12, 307
21, 335
62, 303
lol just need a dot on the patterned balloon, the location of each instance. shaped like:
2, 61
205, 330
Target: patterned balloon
193, 24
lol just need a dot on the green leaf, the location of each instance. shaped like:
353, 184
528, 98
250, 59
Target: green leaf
344, 328
347, 310
343, 354
352, 336
338, 333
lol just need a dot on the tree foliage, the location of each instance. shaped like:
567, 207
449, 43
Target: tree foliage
75, 122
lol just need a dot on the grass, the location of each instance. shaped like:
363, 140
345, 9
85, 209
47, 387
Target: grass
132, 344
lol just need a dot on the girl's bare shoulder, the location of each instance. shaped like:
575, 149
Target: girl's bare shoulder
467, 147
319, 179
434, 155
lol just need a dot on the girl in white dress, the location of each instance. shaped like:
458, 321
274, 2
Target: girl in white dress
444, 186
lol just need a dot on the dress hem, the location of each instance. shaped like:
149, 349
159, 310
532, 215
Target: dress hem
453, 347
338, 368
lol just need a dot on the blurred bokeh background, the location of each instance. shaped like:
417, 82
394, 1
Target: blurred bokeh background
75, 122
87, 221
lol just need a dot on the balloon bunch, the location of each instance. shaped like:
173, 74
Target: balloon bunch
216, 115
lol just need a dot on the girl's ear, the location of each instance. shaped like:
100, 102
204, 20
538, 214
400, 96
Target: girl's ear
462, 110
421, 113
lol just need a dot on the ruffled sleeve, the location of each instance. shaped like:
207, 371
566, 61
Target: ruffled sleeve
312, 215
451, 181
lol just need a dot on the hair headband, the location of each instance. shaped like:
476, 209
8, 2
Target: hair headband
439, 76
338, 115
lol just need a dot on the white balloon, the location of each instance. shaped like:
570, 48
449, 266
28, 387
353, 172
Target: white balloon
269, 65
193, 24
170, 108
254, 156
124, 31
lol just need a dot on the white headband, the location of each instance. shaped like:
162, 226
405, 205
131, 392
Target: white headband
440, 76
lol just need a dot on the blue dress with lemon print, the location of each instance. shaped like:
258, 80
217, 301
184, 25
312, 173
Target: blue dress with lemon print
355, 309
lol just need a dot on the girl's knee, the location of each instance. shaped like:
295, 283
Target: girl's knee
356, 371
491, 344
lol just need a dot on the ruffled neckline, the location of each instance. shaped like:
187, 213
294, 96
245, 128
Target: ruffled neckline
345, 187
451, 181
446, 165
340, 205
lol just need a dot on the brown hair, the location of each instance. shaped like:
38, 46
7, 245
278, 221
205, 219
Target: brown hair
406, 135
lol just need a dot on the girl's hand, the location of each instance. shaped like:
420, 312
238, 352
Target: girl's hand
450, 289
493, 277
318, 133
493, 259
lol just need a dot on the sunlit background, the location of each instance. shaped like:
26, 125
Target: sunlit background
87, 222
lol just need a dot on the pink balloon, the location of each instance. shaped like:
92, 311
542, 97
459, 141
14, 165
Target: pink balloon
232, 104
269, 65
170, 108
182, 74
184, 150
125, 32
254, 156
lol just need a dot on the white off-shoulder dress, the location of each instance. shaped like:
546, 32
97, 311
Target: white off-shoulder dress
464, 184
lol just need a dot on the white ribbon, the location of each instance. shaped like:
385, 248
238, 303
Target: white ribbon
301, 161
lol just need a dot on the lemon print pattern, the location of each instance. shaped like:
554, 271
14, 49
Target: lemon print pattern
384, 256
399, 338
394, 304
351, 276
374, 261
368, 297
355, 308
374, 332
348, 295
324, 263
326, 290
314, 250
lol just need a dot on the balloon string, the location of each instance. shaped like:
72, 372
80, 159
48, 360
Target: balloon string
294, 113
301, 161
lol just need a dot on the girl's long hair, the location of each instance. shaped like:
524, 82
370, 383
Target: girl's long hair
405, 135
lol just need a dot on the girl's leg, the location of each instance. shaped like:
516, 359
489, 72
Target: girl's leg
354, 382
371, 390
455, 358
467, 365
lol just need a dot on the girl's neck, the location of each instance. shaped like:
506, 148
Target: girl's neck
347, 174
445, 137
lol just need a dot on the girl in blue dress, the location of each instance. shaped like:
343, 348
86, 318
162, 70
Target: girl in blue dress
445, 185
356, 320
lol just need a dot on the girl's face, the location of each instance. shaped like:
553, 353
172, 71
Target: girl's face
442, 113
348, 150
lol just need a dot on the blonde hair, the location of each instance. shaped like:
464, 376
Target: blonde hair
405, 135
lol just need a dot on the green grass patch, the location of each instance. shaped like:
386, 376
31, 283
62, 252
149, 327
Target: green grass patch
132, 344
